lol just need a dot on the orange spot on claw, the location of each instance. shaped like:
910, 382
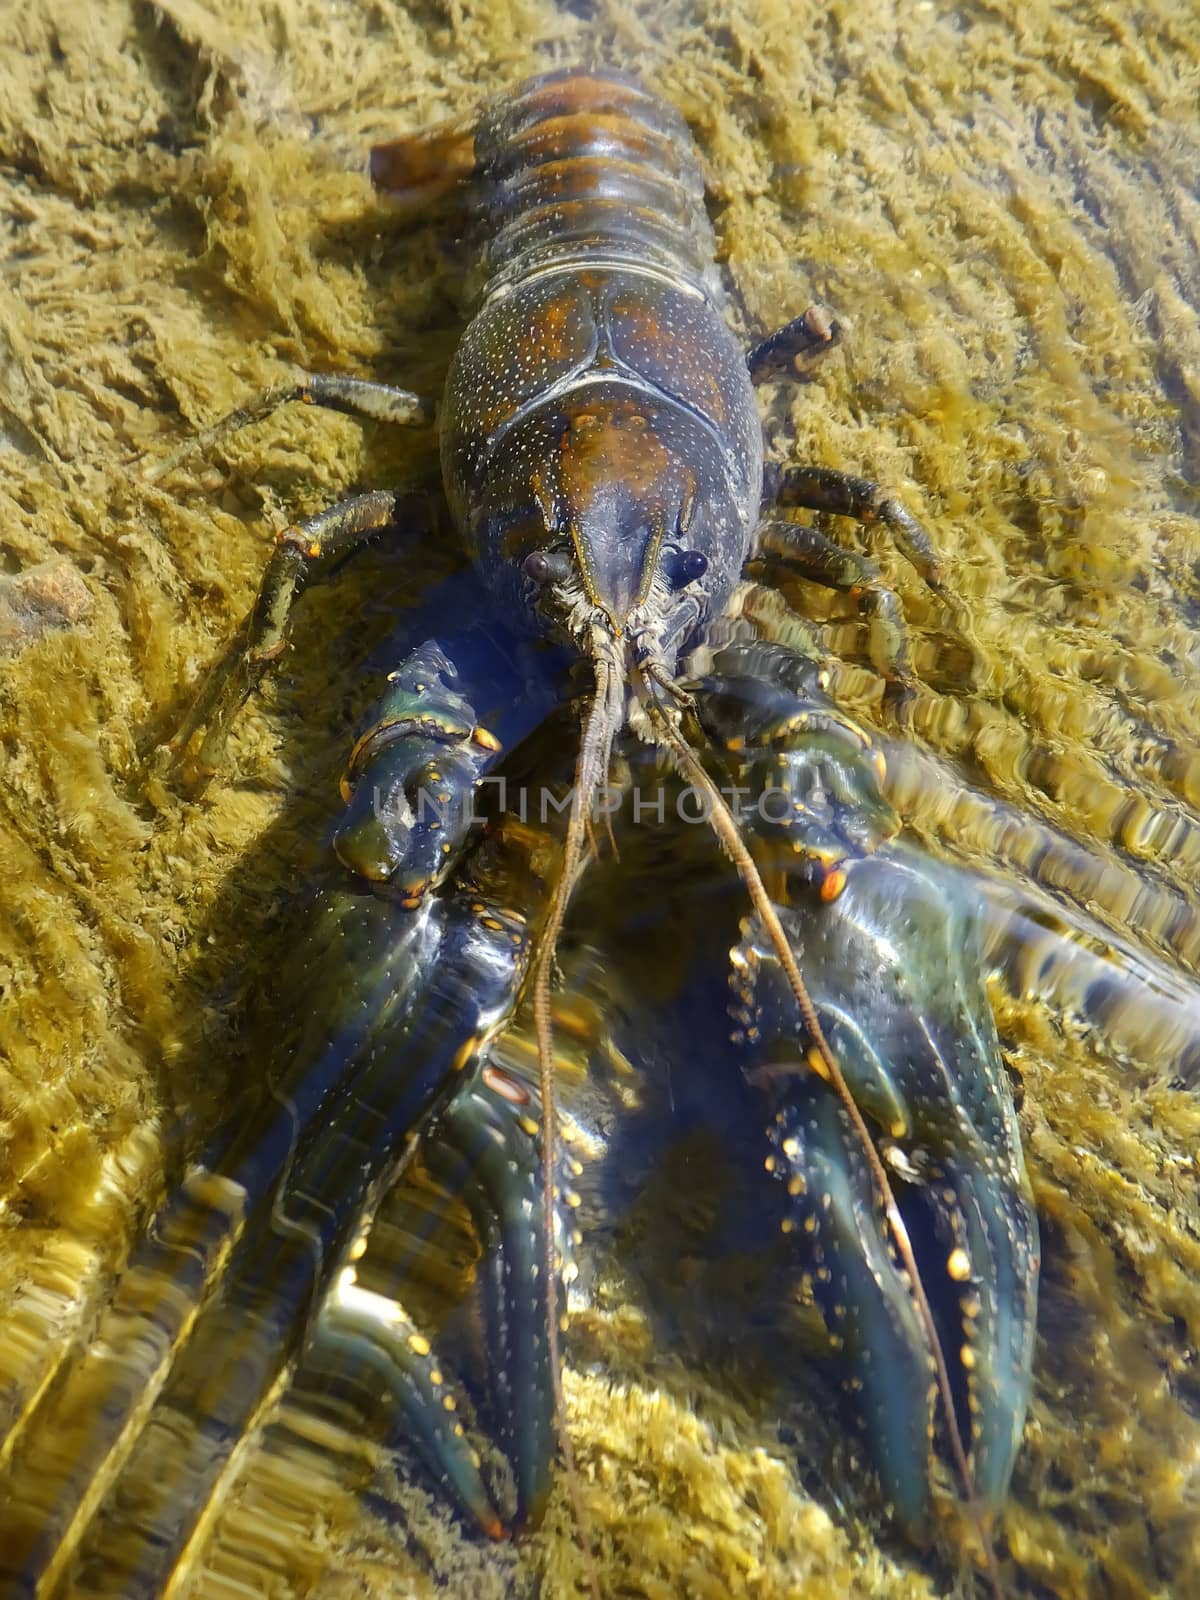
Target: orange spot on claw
832, 884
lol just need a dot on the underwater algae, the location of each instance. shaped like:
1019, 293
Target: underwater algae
999, 202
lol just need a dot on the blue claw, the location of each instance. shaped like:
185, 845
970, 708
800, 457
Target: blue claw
368, 1334
482, 1149
894, 966
489, 1133
863, 1294
397, 1004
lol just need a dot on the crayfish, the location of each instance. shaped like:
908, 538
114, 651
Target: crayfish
602, 459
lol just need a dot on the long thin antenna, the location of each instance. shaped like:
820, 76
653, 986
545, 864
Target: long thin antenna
724, 825
601, 723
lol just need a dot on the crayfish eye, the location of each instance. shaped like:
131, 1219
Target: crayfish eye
544, 566
683, 566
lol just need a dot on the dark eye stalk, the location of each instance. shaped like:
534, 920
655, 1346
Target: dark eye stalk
681, 567
546, 566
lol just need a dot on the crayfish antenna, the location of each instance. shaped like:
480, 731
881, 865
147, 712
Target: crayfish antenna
602, 722
666, 735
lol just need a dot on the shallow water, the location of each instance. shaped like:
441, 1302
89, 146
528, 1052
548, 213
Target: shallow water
999, 202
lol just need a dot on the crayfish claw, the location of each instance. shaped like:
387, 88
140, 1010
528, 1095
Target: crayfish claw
893, 964
364, 1333
995, 1270
863, 1295
486, 1145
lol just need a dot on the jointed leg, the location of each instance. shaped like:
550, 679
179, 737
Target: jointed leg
827, 489
300, 551
790, 350
776, 621
303, 553
787, 352
356, 397
822, 561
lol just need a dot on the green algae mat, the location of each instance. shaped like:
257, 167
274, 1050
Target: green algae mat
1000, 202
